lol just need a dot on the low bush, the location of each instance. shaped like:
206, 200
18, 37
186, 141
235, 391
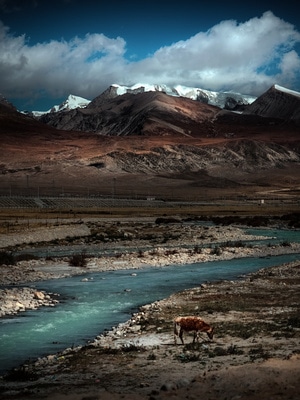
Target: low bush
26, 257
188, 357
258, 352
216, 251
7, 258
197, 250
78, 260
131, 347
237, 243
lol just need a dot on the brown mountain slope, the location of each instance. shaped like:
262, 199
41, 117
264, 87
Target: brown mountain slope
276, 103
155, 113
183, 149
150, 113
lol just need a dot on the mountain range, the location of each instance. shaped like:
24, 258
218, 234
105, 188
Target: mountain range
122, 111
227, 100
150, 142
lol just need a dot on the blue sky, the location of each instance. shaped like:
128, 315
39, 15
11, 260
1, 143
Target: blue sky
49, 49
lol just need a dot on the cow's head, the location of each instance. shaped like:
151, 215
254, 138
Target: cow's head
210, 333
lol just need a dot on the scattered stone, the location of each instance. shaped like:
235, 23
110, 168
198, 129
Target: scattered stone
39, 295
13, 301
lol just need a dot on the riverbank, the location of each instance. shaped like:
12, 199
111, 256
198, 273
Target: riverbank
16, 300
185, 245
131, 245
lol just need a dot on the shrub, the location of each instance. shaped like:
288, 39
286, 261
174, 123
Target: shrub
237, 243
78, 260
7, 258
221, 351
217, 251
26, 257
258, 352
21, 375
294, 321
197, 250
141, 254
131, 347
188, 357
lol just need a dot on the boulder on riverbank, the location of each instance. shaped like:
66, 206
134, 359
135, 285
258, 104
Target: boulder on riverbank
15, 300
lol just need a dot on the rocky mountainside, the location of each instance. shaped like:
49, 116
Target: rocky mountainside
15, 124
149, 142
6, 106
225, 100
141, 111
187, 160
277, 102
146, 113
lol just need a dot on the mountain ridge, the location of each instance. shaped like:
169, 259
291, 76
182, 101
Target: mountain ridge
227, 99
277, 102
157, 113
152, 143
136, 114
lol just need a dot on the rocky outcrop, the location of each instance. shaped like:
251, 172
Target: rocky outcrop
13, 301
110, 93
247, 155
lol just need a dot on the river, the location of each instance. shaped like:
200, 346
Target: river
89, 308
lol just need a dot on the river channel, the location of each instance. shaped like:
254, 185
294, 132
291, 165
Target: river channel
89, 308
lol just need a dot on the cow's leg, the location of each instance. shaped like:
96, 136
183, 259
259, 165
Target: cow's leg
175, 333
181, 335
199, 336
195, 336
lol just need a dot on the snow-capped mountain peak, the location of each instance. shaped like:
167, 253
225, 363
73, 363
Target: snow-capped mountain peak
220, 99
70, 103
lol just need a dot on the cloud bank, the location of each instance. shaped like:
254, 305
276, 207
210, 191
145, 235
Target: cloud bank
246, 57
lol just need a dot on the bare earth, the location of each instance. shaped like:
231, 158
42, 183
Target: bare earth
255, 353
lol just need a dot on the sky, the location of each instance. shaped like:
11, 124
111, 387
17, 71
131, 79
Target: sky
50, 49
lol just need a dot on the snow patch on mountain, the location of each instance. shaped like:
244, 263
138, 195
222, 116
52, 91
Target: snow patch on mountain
285, 90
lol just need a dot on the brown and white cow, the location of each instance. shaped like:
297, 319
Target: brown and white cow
190, 324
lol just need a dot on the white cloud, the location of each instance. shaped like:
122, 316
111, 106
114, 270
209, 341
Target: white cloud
58, 67
228, 56
232, 56
290, 65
